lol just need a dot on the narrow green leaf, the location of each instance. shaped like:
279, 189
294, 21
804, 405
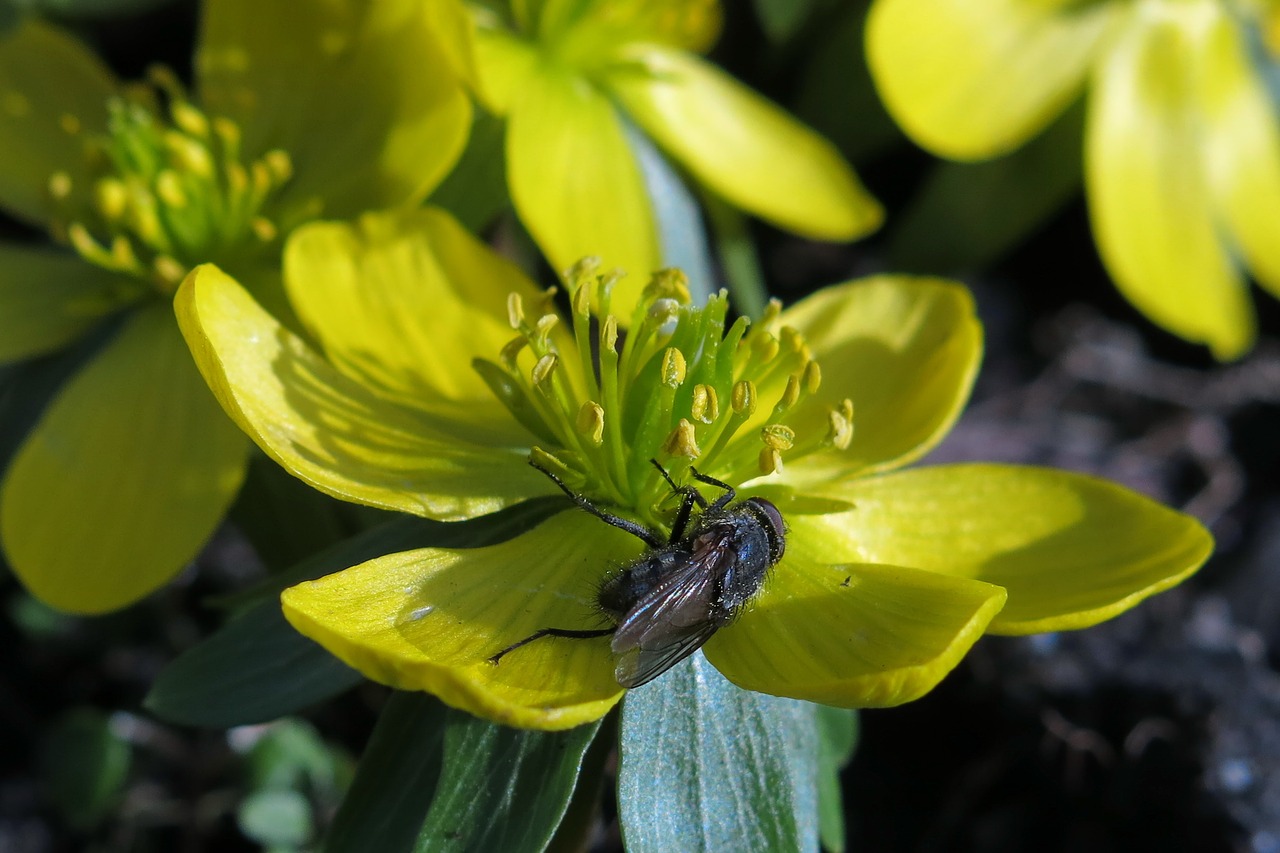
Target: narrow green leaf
252, 670
502, 788
837, 739
257, 668
83, 767
968, 215
707, 766
395, 781
681, 232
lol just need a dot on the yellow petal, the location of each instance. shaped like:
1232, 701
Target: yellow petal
361, 96
431, 619
743, 147
1149, 194
904, 350
504, 61
1071, 550
53, 94
575, 183
402, 301
126, 475
333, 432
854, 636
971, 79
48, 299
1242, 147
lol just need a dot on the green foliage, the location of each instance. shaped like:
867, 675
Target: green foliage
84, 765
838, 737
708, 766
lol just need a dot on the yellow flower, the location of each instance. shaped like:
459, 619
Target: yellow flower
298, 109
888, 576
1182, 149
569, 78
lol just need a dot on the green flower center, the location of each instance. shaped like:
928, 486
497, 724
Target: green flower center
170, 191
677, 387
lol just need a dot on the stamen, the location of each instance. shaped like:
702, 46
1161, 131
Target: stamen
591, 422
705, 406
543, 370
682, 442
515, 310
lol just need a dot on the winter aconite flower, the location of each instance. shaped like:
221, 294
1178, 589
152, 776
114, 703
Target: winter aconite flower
1182, 146
440, 371
298, 109
568, 78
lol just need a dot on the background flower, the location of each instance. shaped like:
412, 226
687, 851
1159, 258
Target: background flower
1182, 147
131, 466
571, 82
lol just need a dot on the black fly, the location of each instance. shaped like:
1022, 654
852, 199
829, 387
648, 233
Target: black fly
666, 603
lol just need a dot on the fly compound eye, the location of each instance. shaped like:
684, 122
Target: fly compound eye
777, 528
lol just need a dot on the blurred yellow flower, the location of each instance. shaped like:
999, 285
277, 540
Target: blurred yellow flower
298, 109
888, 577
569, 77
1182, 147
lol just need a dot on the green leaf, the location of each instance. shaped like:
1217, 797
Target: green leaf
967, 215
682, 236
84, 766
476, 190
708, 766
502, 788
252, 670
275, 817
394, 783
292, 755
257, 668
782, 19
837, 739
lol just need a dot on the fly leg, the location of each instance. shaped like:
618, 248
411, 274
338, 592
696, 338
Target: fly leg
691, 496
553, 632
639, 531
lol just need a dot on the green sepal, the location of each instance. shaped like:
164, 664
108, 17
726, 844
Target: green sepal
708, 766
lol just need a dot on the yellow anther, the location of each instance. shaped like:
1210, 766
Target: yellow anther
591, 422
668, 284
70, 124
280, 164
228, 133
111, 199
705, 406
778, 436
169, 189
682, 441
790, 339
544, 368
122, 253
771, 311
189, 119
663, 311
262, 178
581, 299
515, 310
82, 241
168, 271
790, 395
811, 377
766, 347
578, 274
264, 229
237, 178
59, 186
188, 154
511, 352
673, 368
743, 398
542, 329
770, 461
839, 430
609, 334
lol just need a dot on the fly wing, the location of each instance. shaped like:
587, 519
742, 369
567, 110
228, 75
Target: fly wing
672, 621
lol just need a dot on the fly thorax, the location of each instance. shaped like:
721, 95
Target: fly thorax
672, 382
170, 189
